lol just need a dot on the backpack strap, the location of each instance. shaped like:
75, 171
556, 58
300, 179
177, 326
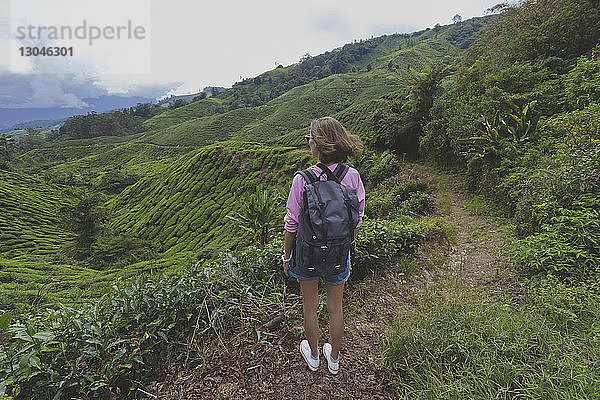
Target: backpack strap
340, 171
347, 202
330, 175
308, 175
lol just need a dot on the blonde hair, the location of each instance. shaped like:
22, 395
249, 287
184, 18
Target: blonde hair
333, 141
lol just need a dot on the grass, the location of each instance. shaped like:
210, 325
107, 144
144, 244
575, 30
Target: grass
460, 343
478, 235
480, 205
444, 184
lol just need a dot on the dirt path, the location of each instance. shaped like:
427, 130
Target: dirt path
274, 369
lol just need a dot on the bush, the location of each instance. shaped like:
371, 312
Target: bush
118, 343
382, 242
565, 305
384, 166
418, 203
382, 201
437, 228
568, 243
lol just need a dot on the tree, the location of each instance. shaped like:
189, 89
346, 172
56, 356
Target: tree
178, 103
457, 19
436, 29
31, 140
7, 151
258, 214
425, 85
84, 215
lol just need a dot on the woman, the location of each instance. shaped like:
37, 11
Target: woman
331, 144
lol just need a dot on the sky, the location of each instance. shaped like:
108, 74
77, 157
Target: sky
185, 45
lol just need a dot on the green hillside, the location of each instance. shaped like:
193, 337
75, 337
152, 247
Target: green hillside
165, 189
293, 110
28, 222
184, 208
196, 109
105, 167
503, 301
379, 71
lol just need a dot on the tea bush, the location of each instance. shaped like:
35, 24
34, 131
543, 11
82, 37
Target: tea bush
384, 166
383, 200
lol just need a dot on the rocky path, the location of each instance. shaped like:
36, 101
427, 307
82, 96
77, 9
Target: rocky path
272, 368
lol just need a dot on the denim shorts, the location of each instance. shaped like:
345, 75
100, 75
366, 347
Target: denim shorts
330, 280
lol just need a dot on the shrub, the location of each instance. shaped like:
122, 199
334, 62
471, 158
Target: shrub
383, 200
568, 243
117, 343
435, 228
384, 166
418, 203
382, 242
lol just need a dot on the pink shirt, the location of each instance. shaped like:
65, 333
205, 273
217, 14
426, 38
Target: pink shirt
294, 201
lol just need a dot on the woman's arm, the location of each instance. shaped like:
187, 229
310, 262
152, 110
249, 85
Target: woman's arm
288, 243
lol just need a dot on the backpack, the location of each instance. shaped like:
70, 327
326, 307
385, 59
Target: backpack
328, 217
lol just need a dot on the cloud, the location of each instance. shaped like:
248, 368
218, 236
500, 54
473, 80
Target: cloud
196, 44
332, 22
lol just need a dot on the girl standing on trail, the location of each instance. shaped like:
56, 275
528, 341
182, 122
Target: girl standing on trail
331, 144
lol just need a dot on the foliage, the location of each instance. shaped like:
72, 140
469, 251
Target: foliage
568, 306
582, 83
29, 222
84, 215
111, 250
123, 338
382, 242
539, 28
384, 166
401, 198
398, 124
184, 207
115, 123
498, 140
258, 212
7, 151
362, 162
568, 240
418, 204
437, 228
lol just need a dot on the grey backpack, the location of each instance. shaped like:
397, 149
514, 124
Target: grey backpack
328, 216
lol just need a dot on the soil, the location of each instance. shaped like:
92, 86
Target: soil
272, 368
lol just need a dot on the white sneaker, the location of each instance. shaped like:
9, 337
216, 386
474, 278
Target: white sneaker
313, 364
332, 365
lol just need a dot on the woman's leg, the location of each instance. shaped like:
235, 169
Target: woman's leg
310, 303
335, 293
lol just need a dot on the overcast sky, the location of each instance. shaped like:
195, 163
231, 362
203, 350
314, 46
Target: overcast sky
190, 44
